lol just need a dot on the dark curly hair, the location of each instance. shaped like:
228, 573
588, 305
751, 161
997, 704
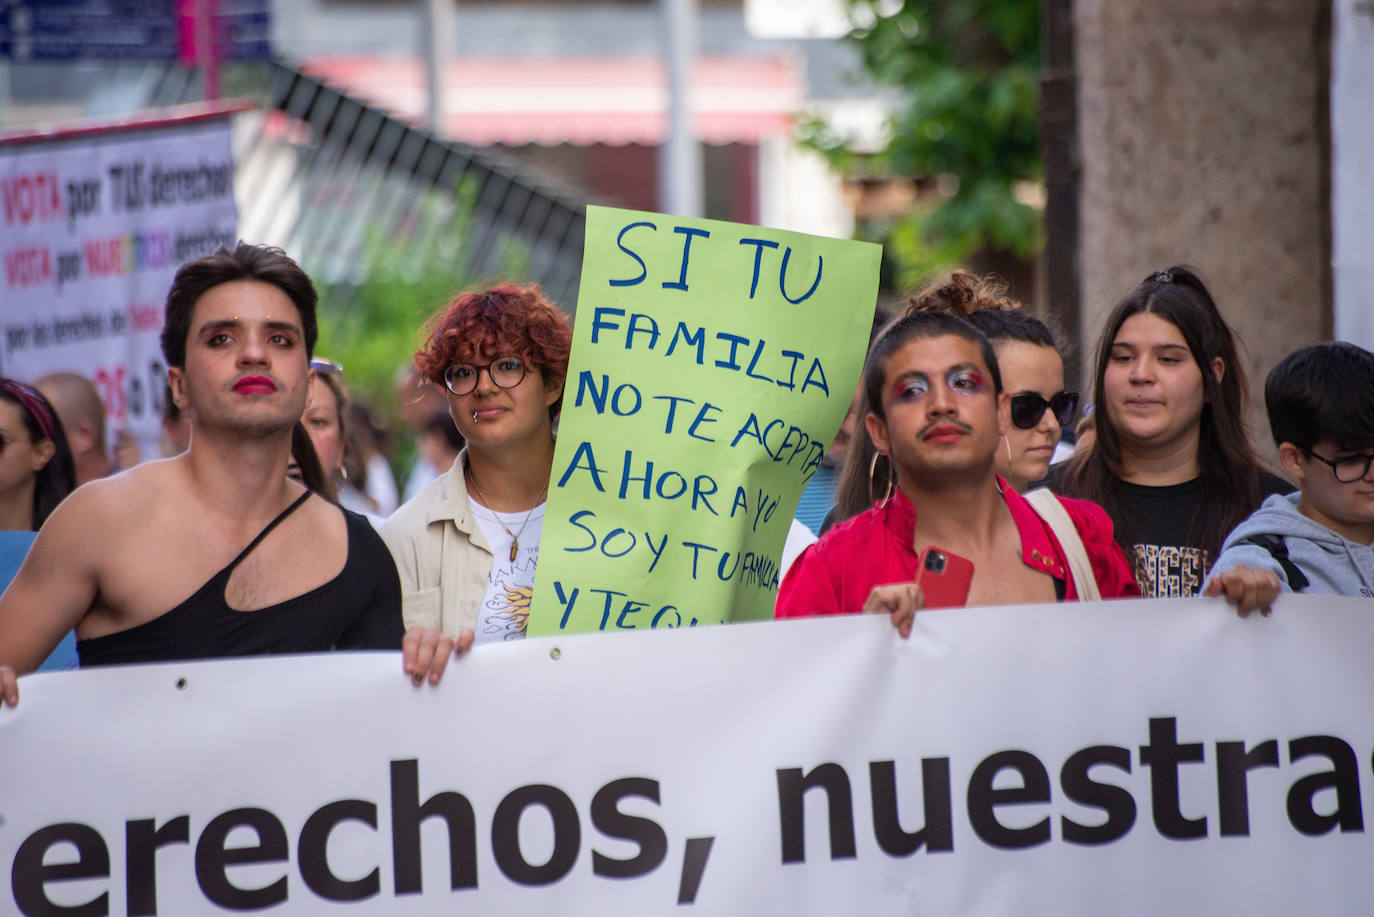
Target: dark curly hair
505, 319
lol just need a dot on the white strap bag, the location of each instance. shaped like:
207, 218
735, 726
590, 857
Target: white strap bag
1044, 502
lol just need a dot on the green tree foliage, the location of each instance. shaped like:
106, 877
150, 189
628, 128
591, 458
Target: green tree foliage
373, 327
967, 71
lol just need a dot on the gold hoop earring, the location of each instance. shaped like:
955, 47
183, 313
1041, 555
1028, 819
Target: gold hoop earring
872, 470
1007, 440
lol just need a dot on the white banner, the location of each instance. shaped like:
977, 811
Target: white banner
92, 228
1129, 758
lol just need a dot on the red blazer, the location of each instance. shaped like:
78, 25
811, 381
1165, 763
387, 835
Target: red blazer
836, 574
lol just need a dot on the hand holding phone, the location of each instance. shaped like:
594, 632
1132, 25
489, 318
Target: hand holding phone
944, 578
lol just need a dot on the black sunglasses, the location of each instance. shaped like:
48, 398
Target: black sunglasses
1028, 407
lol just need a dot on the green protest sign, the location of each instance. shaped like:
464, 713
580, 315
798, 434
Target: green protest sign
712, 364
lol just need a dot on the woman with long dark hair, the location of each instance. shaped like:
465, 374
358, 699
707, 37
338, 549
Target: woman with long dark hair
36, 471
1172, 465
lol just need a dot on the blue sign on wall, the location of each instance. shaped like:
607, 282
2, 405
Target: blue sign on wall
127, 29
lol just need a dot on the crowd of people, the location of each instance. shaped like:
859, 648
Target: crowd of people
273, 525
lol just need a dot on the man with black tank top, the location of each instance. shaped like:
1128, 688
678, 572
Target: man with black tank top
214, 552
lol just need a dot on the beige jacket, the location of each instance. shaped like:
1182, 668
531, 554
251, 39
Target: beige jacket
440, 553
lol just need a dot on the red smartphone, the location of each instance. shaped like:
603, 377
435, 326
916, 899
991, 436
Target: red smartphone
944, 578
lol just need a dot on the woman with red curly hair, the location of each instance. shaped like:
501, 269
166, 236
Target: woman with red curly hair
467, 544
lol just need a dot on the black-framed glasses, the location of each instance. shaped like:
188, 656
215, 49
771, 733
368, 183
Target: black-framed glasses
1348, 469
505, 372
1028, 407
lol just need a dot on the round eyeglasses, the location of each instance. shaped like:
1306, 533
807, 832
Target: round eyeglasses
1349, 469
1028, 407
505, 372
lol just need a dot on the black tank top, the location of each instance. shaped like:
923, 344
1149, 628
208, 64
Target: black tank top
358, 609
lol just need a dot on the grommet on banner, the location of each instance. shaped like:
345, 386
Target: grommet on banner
555, 654
181, 684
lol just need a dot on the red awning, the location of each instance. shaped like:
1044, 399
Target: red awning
580, 101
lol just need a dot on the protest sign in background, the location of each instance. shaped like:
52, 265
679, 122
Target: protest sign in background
1123, 758
93, 226
712, 364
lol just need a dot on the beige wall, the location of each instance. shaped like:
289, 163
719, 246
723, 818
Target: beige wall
1204, 140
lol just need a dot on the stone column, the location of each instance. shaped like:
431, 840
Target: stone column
1204, 139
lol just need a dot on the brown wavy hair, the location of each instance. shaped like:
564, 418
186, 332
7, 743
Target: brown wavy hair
505, 319
962, 293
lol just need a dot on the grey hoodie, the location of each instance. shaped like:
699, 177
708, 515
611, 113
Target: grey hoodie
1332, 564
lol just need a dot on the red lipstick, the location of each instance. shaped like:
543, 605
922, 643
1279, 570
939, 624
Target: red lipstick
255, 385
944, 433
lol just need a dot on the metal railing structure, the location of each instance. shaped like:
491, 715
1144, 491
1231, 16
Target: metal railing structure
340, 184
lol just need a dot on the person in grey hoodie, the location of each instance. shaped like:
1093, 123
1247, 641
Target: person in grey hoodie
1319, 540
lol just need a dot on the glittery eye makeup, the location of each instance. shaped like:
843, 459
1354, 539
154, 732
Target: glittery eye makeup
965, 381
911, 388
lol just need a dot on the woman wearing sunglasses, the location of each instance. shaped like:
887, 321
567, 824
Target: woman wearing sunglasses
467, 544
1033, 374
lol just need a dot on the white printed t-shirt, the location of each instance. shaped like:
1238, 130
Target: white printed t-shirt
505, 609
